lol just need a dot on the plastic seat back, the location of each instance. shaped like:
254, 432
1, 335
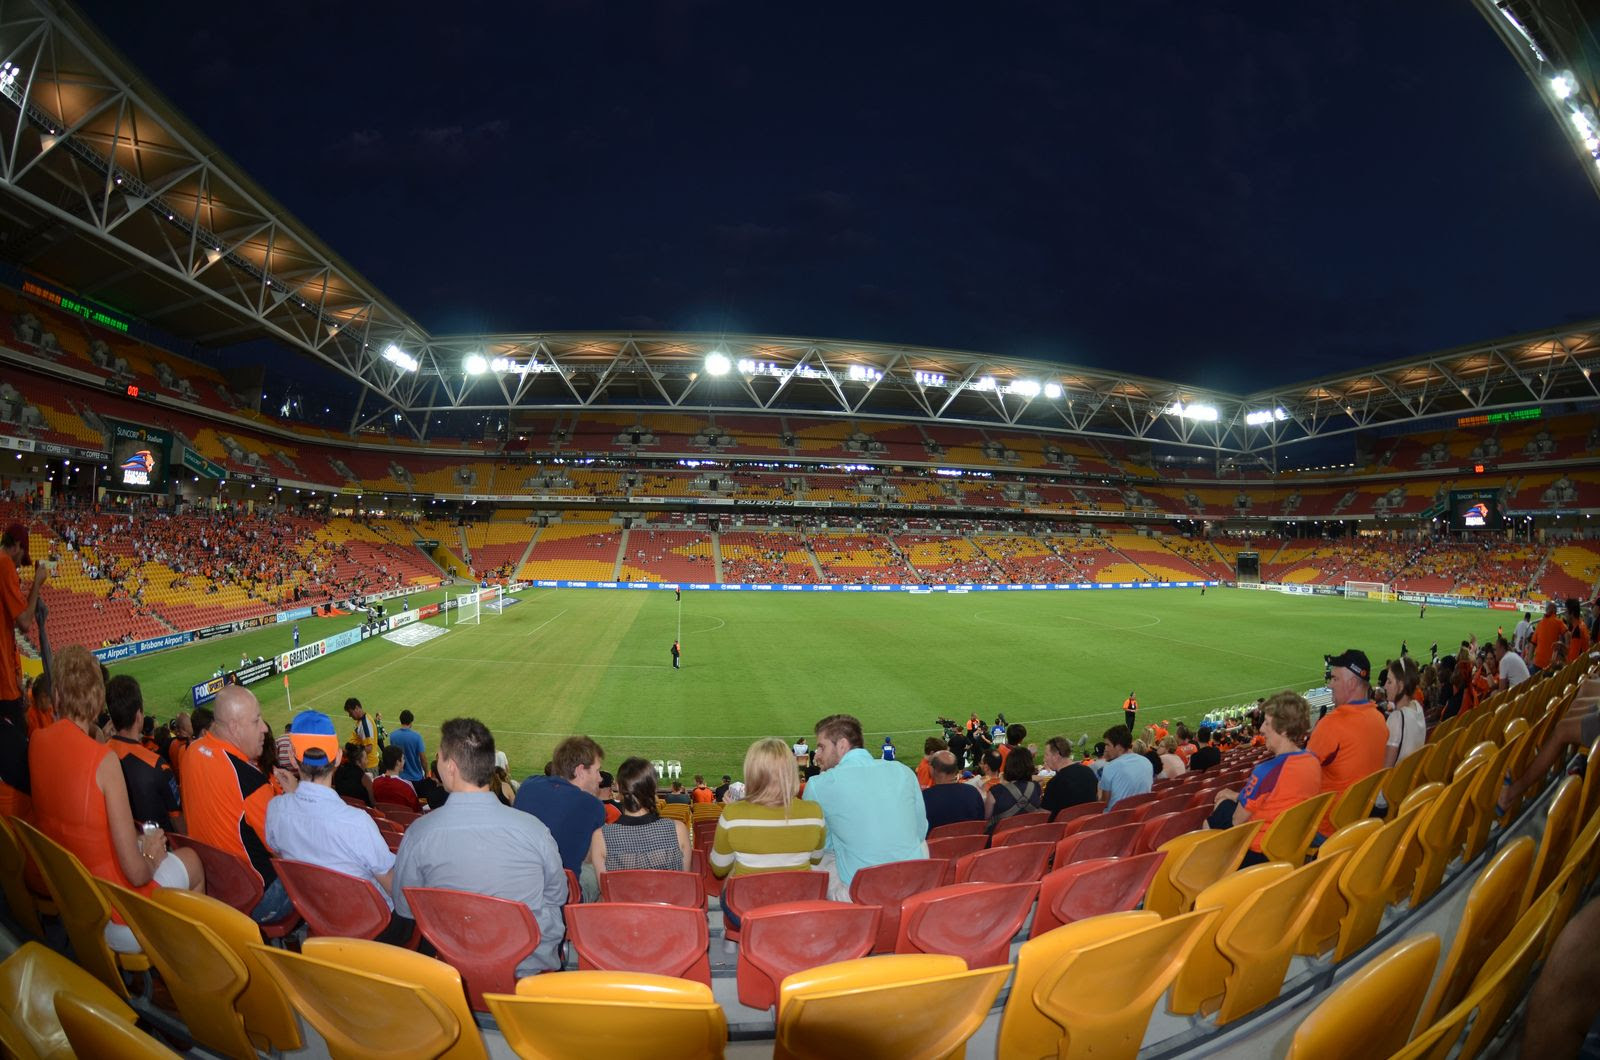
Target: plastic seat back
973, 921
1355, 802
438, 979
951, 848
1203, 978
959, 828
13, 864
1322, 932
1014, 863
1109, 819
1102, 994
1157, 829
1196, 860
1371, 1013
229, 879
1368, 879
882, 1007
1024, 1029
483, 938
555, 1017
1130, 803
1441, 832
1288, 837
1021, 820
1560, 828
744, 894
95, 1030
1401, 778
268, 1019
333, 903
1093, 888
890, 884
637, 937
1082, 809
201, 971
80, 905
779, 940
662, 886
1169, 804
362, 1015
1482, 795
31, 979
705, 833
1258, 938
1033, 833
1098, 843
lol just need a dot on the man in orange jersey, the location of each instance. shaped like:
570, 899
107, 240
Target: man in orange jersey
16, 611
1578, 639
1545, 635
225, 796
1350, 742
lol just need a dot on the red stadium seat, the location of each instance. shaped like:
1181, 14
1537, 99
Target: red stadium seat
332, 902
1133, 802
1206, 796
574, 888
790, 937
653, 885
952, 847
1034, 833
1017, 863
1170, 804
888, 886
1090, 888
959, 828
1113, 819
1082, 809
636, 937
705, 833
973, 921
483, 938
745, 894
1100, 843
234, 881
1157, 830
1021, 820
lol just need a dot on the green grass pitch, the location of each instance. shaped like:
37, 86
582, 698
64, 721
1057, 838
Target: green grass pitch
771, 664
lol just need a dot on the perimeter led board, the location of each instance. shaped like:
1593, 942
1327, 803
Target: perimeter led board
139, 457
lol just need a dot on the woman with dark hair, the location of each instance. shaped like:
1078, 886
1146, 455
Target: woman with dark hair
1408, 730
641, 838
1017, 791
350, 779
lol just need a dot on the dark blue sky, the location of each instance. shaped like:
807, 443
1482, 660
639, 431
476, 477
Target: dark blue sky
1227, 194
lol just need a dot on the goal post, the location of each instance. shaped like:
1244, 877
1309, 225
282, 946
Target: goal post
468, 610
1368, 591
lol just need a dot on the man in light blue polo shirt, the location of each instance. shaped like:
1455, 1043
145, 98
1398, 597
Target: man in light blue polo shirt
1124, 773
873, 809
409, 741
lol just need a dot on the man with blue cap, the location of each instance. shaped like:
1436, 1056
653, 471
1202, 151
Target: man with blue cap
311, 823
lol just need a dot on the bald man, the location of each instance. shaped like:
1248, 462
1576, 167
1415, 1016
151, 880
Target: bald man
225, 795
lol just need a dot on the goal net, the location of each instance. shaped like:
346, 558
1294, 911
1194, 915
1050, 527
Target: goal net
468, 610
1368, 591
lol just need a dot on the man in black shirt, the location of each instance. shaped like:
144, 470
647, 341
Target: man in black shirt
152, 789
720, 792
1207, 755
947, 800
1072, 784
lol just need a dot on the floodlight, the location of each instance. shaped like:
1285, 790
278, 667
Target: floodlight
717, 363
1025, 387
1563, 84
1264, 416
1053, 391
475, 364
400, 358
1205, 413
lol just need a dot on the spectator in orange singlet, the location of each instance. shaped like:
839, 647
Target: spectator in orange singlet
1578, 639
930, 747
41, 704
1545, 635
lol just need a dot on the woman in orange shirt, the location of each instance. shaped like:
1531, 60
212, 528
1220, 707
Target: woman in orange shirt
80, 799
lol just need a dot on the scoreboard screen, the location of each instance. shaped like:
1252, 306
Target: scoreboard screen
138, 458
1476, 510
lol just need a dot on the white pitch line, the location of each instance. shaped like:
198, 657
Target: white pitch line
546, 622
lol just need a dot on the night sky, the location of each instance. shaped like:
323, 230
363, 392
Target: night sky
1226, 194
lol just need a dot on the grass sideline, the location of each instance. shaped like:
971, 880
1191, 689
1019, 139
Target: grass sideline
771, 664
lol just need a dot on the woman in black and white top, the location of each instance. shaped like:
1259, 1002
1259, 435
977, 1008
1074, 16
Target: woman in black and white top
1408, 730
1017, 791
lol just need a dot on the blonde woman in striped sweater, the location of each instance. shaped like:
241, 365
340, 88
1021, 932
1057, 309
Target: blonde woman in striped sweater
771, 829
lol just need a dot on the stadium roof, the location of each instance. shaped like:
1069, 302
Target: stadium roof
112, 192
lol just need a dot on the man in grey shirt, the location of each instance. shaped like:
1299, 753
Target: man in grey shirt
475, 843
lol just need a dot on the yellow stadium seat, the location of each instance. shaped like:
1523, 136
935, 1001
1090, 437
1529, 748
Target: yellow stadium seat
203, 975
1440, 835
1439, 764
553, 1017
1421, 795
1258, 938
1203, 978
21, 901
1356, 801
1591, 784
30, 981
1289, 836
1367, 881
82, 908
1402, 777
1024, 1029
441, 981
1371, 1013
362, 1016
1560, 828
1485, 921
1195, 861
1481, 798
98, 1030
1102, 994
676, 811
1495, 989
268, 1019
1323, 929
901, 1005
